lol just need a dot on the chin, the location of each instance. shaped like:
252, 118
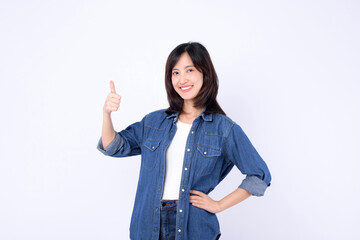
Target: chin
188, 99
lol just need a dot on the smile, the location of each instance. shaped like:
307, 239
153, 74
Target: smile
186, 88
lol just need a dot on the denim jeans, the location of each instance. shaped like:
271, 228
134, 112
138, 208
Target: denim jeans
168, 219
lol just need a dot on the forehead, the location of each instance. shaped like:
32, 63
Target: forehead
183, 61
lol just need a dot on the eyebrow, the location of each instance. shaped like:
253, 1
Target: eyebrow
185, 67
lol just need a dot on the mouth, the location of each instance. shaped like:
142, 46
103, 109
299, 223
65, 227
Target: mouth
186, 88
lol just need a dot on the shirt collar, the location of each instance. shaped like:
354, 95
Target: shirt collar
206, 117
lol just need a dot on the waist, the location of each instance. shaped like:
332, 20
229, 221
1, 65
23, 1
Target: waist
168, 204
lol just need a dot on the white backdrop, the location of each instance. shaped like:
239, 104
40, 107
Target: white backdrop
289, 76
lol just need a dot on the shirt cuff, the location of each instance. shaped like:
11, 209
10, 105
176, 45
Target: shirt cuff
254, 185
113, 147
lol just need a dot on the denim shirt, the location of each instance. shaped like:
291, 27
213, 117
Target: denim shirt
214, 145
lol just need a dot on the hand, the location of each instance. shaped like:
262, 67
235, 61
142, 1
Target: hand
205, 202
112, 102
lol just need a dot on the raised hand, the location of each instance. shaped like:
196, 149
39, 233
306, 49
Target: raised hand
113, 99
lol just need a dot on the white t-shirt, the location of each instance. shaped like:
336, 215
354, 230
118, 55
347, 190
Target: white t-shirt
174, 161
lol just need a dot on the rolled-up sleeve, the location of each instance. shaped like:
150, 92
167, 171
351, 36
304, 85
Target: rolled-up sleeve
113, 147
126, 142
240, 151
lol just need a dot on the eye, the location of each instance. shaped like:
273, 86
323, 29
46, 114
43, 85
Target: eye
175, 73
190, 70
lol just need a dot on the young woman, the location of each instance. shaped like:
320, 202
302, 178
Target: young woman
186, 151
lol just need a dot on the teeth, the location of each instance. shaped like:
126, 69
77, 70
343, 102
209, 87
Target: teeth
186, 88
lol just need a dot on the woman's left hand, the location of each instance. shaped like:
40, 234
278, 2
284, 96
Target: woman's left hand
204, 201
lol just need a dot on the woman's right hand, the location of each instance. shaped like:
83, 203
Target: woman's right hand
112, 102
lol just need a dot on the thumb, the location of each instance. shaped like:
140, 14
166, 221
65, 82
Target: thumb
112, 86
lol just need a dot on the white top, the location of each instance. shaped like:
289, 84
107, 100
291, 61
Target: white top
174, 161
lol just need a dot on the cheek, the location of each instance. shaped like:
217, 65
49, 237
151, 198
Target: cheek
200, 80
173, 81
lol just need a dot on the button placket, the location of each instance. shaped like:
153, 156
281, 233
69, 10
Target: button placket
185, 175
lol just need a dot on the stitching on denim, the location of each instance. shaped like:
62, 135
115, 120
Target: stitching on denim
157, 142
228, 133
148, 126
196, 161
168, 223
224, 136
218, 149
209, 134
224, 143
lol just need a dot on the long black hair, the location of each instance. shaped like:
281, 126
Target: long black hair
202, 62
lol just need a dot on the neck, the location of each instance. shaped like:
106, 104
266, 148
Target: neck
189, 111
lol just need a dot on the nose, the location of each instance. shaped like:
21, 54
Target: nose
182, 79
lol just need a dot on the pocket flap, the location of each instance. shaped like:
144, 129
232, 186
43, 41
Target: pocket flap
208, 151
152, 144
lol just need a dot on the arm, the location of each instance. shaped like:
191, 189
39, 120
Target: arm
233, 198
108, 132
240, 151
205, 202
118, 144
112, 103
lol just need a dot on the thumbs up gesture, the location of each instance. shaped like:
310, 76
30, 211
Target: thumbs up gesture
112, 102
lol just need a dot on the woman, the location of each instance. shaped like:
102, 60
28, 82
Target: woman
186, 150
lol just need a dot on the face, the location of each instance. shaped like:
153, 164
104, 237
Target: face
186, 79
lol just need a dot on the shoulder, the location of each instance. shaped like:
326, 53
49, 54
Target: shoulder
228, 125
221, 118
157, 114
217, 124
156, 119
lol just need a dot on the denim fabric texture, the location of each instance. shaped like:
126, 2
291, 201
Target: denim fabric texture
168, 219
214, 145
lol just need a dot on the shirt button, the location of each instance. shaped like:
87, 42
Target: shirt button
171, 133
153, 147
179, 230
183, 190
188, 149
192, 132
185, 169
157, 209
159, 189
180, 210
155, 229
205, 153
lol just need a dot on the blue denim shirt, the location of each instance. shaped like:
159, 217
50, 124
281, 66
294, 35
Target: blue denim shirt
214, 145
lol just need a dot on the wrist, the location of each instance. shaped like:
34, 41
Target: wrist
220, 206
105, 113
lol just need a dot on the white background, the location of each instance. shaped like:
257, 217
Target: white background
289, 76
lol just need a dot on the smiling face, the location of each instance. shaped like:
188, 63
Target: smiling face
186, 79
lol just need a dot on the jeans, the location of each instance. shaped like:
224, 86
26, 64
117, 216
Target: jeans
168, 219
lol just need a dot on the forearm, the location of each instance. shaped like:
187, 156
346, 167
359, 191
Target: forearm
233, 198
108, 132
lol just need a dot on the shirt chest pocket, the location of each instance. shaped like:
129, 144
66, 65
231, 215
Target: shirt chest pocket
206, 157
151, 152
